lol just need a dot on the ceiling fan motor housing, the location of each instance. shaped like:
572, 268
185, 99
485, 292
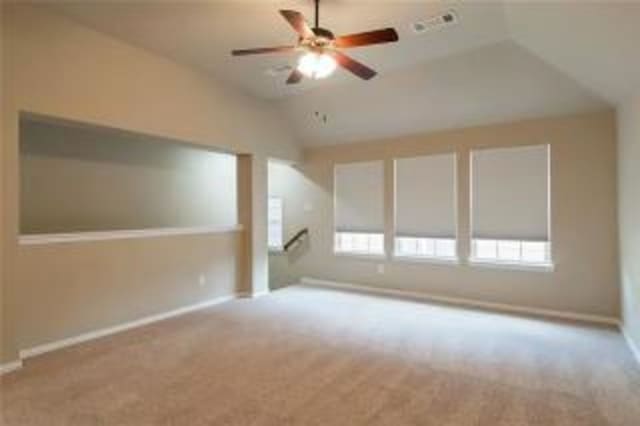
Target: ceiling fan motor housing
323, 33
321, 40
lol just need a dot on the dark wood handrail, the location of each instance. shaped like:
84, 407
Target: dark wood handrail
296, 238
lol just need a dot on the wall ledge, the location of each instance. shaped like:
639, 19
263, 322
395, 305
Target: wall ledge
471, 303
74, 237
10, 366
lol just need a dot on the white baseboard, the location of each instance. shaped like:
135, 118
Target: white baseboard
52, 346
635, 350
10, 366
253, 295
260, 293
466, 302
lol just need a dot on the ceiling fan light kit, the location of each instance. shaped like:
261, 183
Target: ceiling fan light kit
321, 48
316, 65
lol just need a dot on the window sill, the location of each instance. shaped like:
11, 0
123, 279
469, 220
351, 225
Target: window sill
363, 256
276, 250
512, 266
451, 261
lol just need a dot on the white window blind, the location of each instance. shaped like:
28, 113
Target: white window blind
359, 197
426, 196
510, 193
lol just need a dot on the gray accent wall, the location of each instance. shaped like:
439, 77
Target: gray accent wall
85, 178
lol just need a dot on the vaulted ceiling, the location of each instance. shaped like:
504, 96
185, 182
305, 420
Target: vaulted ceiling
504, 60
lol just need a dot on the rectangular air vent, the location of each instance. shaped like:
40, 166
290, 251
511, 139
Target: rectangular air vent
437, 22
278, 70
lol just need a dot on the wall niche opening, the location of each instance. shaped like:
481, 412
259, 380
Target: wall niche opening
77, 178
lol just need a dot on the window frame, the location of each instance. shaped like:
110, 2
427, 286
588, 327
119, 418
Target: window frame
456, 258
473, 260
336, 234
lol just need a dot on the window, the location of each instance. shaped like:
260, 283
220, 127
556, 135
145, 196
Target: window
512, 251
359, 243
510, 205
275, 231
359, 208
442, 248
425, 205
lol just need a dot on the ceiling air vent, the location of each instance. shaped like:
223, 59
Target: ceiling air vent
278, 70
438, 22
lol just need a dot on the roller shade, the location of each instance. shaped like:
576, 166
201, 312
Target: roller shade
359, 197
426, 196
510, 193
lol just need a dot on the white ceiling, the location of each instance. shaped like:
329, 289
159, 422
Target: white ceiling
492, 84
503, 61
204, 33
595, 42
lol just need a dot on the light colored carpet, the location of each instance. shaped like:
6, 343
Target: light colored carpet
309, 356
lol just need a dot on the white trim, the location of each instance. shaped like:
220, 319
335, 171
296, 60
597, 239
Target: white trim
10, 366
466, 302
74, 237
512, 266
447, 261
252, 295
96, 334
635, 350
360, 256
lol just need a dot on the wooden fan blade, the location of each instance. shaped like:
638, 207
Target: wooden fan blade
361, 70
387, 35
295, 77
259, 50
297, 21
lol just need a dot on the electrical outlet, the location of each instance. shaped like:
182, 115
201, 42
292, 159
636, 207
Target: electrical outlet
380, 268
202, 280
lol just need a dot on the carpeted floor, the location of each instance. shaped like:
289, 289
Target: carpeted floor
309, 356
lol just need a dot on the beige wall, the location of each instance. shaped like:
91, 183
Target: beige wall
66, 289
252, 208
584, 223
629, 211
54, 67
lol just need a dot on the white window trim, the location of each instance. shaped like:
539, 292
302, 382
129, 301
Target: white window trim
548, 266
450, 261
457, 259
361, 256
512, 266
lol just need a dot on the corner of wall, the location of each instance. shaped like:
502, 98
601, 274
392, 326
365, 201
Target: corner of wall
628, 126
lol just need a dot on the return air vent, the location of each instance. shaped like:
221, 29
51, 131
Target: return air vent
444, 20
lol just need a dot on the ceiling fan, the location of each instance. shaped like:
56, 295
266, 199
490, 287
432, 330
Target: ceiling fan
322, 48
